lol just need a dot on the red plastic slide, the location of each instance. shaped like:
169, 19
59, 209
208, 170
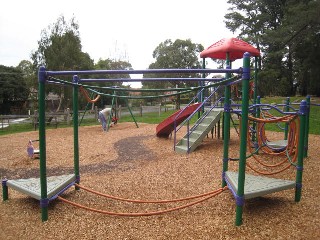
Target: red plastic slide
167, 126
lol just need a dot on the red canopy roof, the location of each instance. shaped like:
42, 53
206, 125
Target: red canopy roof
235, 47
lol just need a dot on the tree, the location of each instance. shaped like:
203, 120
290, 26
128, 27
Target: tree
181, 54
303, 23
287, 32
13, 90
60, 49
31, 80
26, 68
252, 19
297, 44
110, 64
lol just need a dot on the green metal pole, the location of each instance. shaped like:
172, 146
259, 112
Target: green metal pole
303, 111
42, 143
258, 112
134, 119
306, 136
243, 137
4, 190
286, 126
76, 128
85, 110
226, 122
110, 115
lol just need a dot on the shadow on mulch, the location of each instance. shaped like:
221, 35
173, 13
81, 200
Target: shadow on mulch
130, 150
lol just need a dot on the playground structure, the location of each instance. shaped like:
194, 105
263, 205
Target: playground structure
49, 189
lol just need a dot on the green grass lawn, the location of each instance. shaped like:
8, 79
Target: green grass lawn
152, 118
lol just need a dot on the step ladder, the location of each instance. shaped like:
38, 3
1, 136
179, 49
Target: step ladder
199, 131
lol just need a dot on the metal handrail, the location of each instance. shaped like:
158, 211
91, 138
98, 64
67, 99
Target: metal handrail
187, 121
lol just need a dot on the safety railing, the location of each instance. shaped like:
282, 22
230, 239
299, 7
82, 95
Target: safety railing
187, 120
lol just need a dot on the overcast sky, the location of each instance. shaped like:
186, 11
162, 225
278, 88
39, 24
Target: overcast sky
127, 29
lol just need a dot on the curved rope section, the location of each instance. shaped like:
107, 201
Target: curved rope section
86, 95
263, 140
286, 152
142, 201
214, 193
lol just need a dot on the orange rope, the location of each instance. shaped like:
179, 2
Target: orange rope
261, 130
143, 201
264, 164
291, 147
269, 173
86, 95
292, 140
217, 192
273, 119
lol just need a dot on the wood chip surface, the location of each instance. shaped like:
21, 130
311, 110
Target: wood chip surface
133, 163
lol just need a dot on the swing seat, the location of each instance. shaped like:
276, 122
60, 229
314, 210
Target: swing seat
256, 186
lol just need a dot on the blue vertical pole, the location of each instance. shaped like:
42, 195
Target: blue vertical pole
76, 128
202, 82
226, 123
42, 143
257, 115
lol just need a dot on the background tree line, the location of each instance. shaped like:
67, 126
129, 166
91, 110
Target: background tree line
287, 32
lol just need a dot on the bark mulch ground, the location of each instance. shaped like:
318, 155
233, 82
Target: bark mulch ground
133, 163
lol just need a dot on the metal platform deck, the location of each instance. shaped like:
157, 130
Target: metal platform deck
256, 186
32, 188
278, 143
